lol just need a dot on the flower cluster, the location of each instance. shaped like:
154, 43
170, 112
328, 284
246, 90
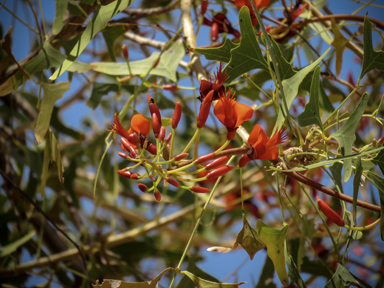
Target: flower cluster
169, 169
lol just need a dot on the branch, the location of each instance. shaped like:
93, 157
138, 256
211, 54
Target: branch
137, 13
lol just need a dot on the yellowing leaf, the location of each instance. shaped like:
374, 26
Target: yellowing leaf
109, 283
202, 283
275, 241
247, 238
339, 42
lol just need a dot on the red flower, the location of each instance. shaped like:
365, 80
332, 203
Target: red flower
217, 85
258, 3
231, 113
261, 146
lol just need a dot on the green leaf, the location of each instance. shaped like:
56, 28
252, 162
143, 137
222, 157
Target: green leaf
247, 56
379, 181
61, 7
308, 230
266, 277
285, 68
98, 91
356, 185
10, 248
275, 241
336, 173
379, 160
109, 283
372, 59
185, 282
52, 93
345, 136
51, 153
291, 87
311, 113
98, 23
48, 57
202, 283
343, 275
294, 273
222, 53
110, 34
167, 66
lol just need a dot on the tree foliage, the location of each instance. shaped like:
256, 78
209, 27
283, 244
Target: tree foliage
156, 161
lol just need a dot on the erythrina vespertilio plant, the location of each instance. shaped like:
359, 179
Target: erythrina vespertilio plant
281, 70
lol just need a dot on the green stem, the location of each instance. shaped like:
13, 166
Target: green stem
223, 147
191, 141
280, 200
341, 104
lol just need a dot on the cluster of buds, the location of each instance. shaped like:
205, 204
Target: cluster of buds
162, 165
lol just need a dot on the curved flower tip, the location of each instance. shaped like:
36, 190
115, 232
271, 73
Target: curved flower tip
140, 124
232, 113
117, 127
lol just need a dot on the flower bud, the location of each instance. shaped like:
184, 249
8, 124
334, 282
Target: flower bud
135, 176
173, 182
123, 148
122, 155
219, 171
331, 215
157, 195
142, 187
166, 152
126, 174
204, 7
128, 146
205, 158
136, 138
156, 125
217, 162
176, 116
214, 31
181, 156
170, 87
244, 160
125, 51
153, 107
199, 189
151, 148
152, 177
162, 134
204, 109
168, 138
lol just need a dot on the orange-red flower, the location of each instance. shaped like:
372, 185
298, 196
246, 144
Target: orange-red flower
258, 3
232, 113
261, 146
139, 124
217, 85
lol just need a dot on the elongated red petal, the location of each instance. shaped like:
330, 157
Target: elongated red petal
176, 116
205, 158
331, 215
126, 174
156, 125
199, 189
204, 110
162, 134
142, 187
128, 146
157, 195
244, 160
181, 156
217, 162
173, 182
219, 171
